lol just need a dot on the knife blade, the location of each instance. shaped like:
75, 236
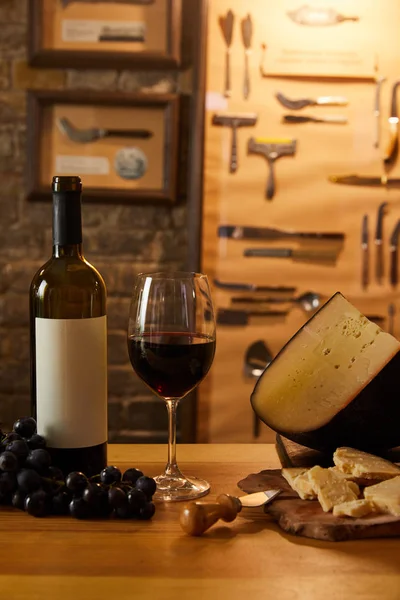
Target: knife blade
335, 119
365, 181
364, 252
379, 266
303, 102
251, 287
226, 25
323, 255
393, 146
197, 517
391, 315
247, 34
393, 250
230, 316
377, 109
272, 233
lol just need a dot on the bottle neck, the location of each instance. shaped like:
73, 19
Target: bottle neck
67, 224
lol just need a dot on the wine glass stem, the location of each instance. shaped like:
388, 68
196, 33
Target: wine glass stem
172, 469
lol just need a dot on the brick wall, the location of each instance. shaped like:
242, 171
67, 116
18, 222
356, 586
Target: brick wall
119, 240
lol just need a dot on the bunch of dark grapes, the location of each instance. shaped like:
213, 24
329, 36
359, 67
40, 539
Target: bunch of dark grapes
30, 482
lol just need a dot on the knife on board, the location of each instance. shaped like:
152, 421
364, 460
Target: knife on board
230, 316
297, 254
226, 25
272, 233
394, 254
197, 517
251, 287
364, 252
335, 119
247, 34
379, 267
366, 180
393, 146
303, 102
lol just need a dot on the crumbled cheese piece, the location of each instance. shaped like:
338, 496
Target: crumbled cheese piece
331, 489
298, 480
364, 465
386, 496
354, 508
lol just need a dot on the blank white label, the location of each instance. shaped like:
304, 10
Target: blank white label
82, 165
216, 101
71, 381
84, 30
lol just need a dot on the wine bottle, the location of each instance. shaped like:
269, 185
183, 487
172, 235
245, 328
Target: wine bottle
69, 343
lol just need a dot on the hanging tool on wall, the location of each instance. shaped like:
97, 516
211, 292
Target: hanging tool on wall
230, 316
91, 134
226, 25
393, 146
257, 357
239, 232
309, 301
391, 315
379, 266
394, 254
297, 254
247, 34
377, 110
303, 102
252, 287
271, 149
366, 180
335, 119
364, 253
318, 16
234, 121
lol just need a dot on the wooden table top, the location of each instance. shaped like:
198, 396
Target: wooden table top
62, 558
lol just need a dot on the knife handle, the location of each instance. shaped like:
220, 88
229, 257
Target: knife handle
392, 150
233, 163
126, 133
315, 255
197, 517
393, 265
228, 91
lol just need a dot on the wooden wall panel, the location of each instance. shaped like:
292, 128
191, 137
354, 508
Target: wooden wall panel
305, 199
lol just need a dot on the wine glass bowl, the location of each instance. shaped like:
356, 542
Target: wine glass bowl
171, 344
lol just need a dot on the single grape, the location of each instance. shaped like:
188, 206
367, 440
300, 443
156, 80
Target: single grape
28, 480
60, 503
8, 461
124, 512
18, 447
18, 499
38, 504
93, 494
8, 438
137, 499
79, 509
8, 482
147, 511
146, 485
76, 482
110, 475
132, 475
117, 498
38, 459
25, 427
55, 473
36, 441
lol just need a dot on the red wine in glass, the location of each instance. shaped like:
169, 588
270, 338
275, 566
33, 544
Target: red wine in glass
171, 363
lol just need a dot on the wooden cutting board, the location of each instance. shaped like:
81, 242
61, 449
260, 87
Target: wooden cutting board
306, 517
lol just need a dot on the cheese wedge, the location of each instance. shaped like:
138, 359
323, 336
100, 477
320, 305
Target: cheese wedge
385, 495
299, 481
354, 508
360, 481
364, 465
331, 489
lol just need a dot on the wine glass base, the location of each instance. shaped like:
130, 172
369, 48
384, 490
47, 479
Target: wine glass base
174, 489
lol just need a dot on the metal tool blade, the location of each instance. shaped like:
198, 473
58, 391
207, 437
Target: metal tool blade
391, 315
303, 102
364, 253
229, 316
365, 181
323, 255
238, 232
377, 110
393, 146
379, 267
394, 253
226, 25
251, 287
259, 498
247, 34
335, 119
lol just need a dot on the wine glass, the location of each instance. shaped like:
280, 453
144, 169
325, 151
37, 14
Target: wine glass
171, 343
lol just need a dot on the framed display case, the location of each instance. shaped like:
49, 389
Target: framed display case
124, 146
108, 34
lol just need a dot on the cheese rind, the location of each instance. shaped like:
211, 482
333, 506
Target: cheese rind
354, 508
385, 495
299, 481
331, 489
361, 464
